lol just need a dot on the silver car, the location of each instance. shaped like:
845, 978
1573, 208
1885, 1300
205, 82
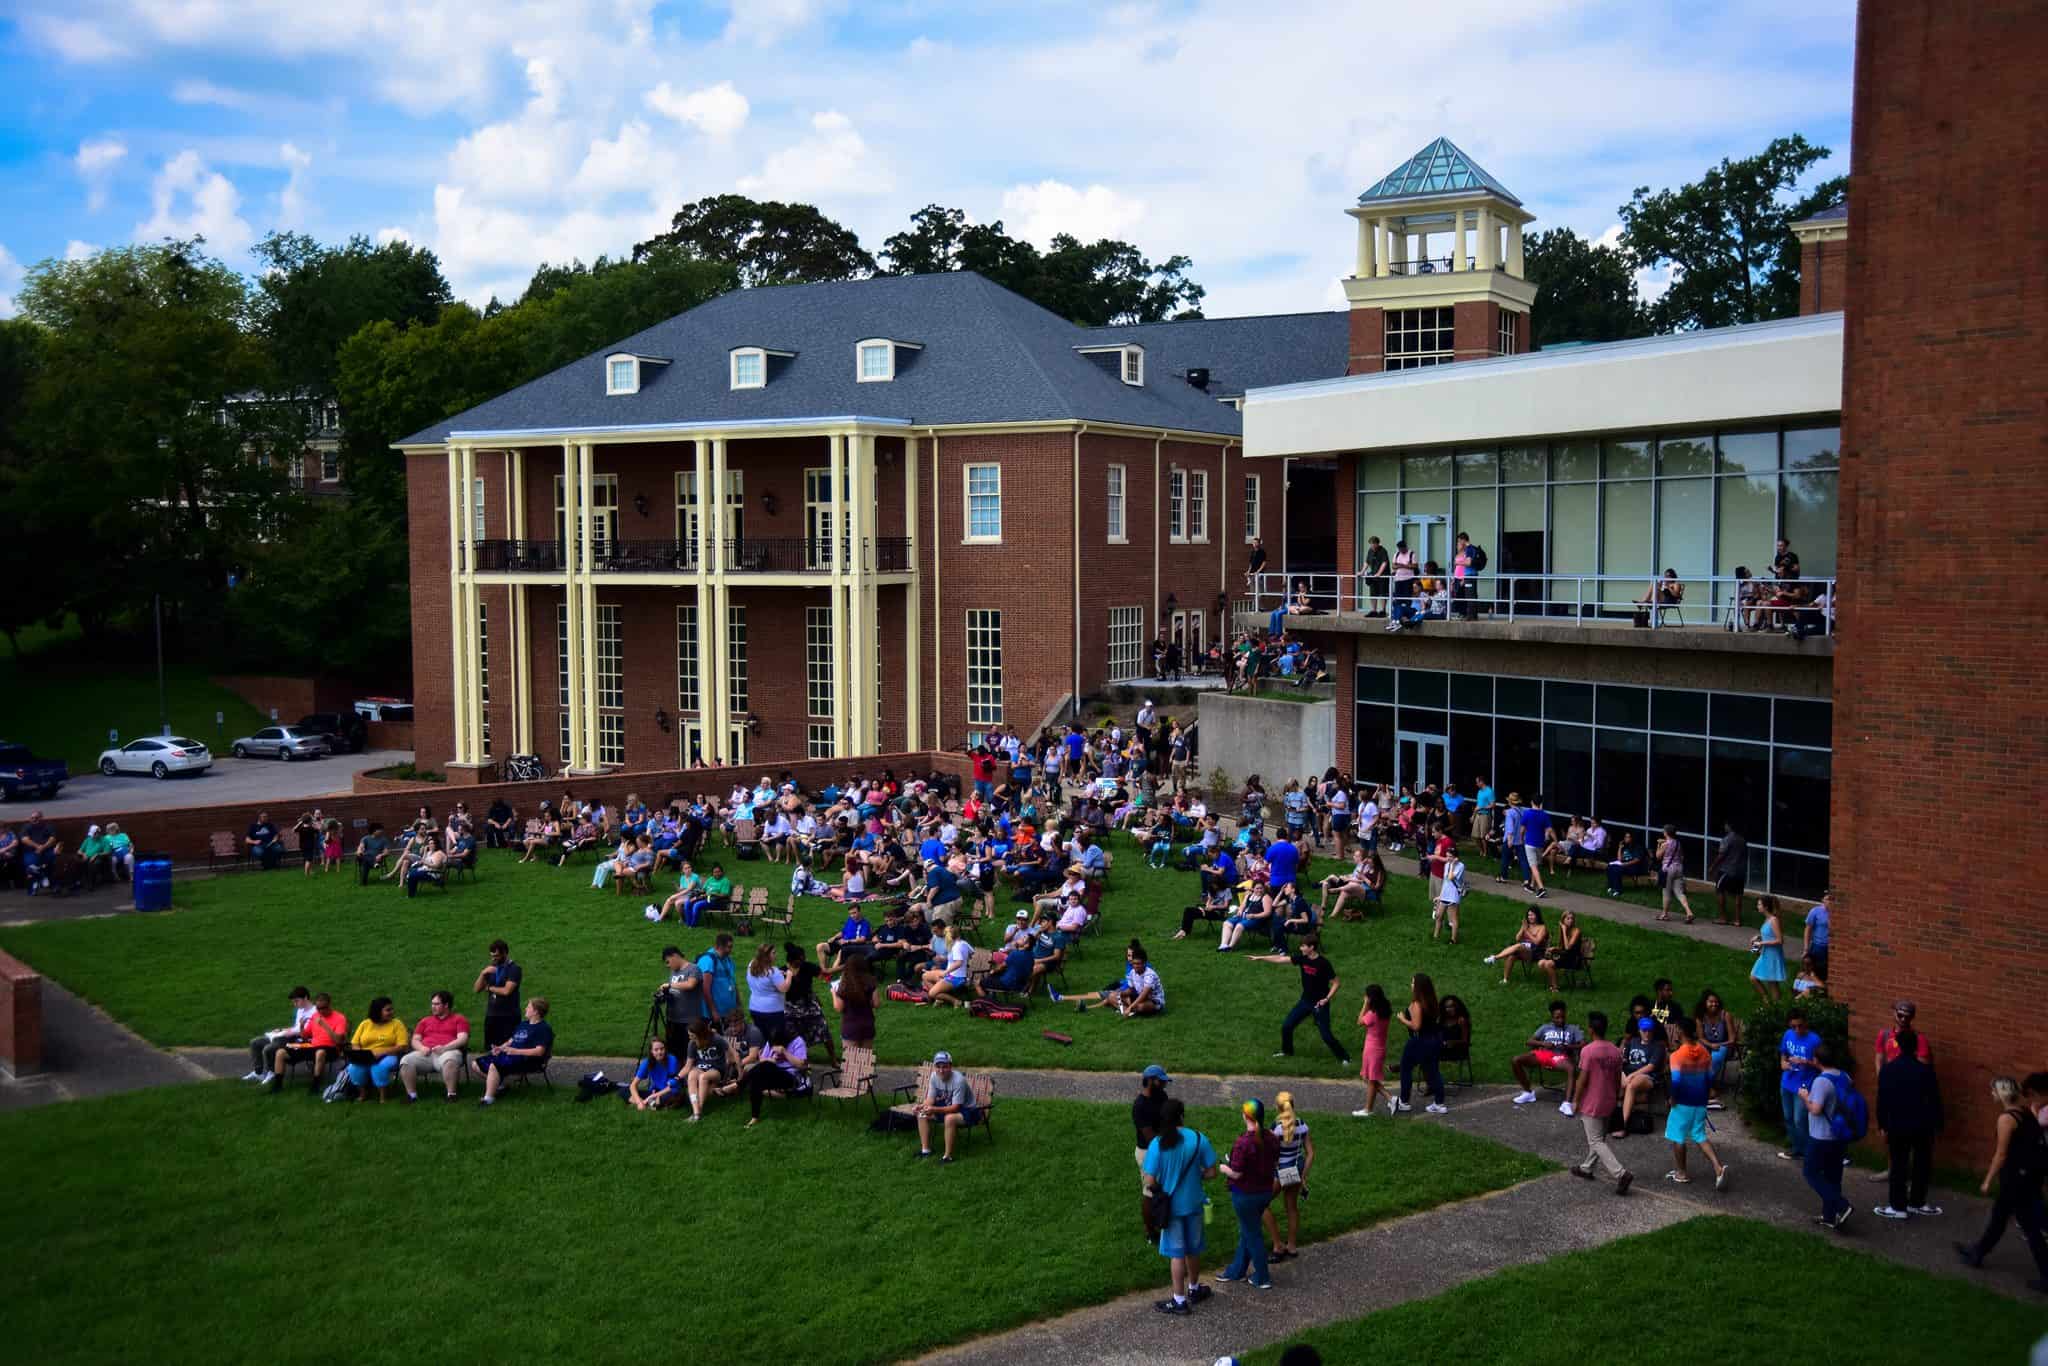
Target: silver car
160, 758
281, 742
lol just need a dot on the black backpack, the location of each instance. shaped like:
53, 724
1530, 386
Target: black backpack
1475, 558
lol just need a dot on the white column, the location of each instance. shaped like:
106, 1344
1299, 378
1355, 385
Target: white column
1397, 245
1379, 246
841, 512
913, 625
861, 604
1459, 256
1364, 266
522, 642
572, 599
472, 682
1489, 239
586, 613
456, 572
1515, 249
711, 508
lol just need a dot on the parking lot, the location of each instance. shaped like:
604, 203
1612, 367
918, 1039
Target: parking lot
229, 780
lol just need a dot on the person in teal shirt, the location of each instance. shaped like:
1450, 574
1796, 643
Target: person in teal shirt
716, 965
1797, 1066
1176, 1163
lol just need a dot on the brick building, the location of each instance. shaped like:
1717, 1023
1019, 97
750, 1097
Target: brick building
937, 507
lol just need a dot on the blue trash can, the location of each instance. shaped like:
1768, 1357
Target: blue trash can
153, 884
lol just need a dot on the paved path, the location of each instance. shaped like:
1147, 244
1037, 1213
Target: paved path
229, 780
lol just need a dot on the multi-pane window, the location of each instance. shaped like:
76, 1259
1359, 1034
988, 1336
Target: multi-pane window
818, 740
476, 508
483, 677
623, 380
687, 510
875, 361
736, 656
562, 680
1114, 508
687, 698
330, 465
984, 667
1251, 507
1176, 505
818, 660
604, 512
1506, 345
749, 369
611, 687
1418, 337
1126, 643
297, 467
984, 502
1198, 505
1134, 365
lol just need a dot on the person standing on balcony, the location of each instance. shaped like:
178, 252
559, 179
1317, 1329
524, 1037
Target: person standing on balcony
1257, 565
1375, 575
1405, 566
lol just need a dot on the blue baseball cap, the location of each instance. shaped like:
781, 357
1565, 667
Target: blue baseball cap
1645, 1022
1154, 1073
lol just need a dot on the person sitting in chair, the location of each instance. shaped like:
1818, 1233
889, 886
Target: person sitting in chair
947, 1099
784, 1070
1214, 906
1554, 1045
438, 1044
1629, 861
526, 1052
1665, 594
320, 1039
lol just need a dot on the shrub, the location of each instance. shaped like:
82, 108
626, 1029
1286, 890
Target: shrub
1220, 787
410, 773
1761, 1032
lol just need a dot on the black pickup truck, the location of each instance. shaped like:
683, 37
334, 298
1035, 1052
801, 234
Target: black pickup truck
24, 775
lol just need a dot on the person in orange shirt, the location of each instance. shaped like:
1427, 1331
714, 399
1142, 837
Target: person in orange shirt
324, 1036
1691, 1080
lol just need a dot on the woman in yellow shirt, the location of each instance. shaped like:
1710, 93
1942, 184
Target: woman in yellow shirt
382, 1035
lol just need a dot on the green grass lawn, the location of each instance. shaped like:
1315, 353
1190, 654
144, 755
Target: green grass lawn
1710, 1289
60, 698
218, 969
220, 1224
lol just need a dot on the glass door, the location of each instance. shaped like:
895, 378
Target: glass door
736, 745
1420, 760
1428, 536
818, 518
690, 746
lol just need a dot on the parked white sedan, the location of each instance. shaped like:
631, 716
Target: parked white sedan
158, 758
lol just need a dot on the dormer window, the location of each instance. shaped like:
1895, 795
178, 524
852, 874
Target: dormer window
622, 375
875, 360
1126, 361
1134, 365
749, 368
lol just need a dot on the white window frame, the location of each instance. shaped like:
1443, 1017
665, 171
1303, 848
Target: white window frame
621, 374
759, 357
861, 350
330, 417
1126, 644
330, 466
984, 637
1114, 485
1251, 508
483, 676
818, 662
1131, 369
1505, 337
295, 468
476, 509
563, 682
1198, 507
1176, 505
967, 497
818, 740
689, 683
610, 697
736, 657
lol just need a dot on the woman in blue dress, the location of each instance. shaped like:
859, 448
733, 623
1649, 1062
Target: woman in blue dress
1769, 947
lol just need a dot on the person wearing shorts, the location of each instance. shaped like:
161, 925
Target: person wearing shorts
1692, 1069
1554, 1045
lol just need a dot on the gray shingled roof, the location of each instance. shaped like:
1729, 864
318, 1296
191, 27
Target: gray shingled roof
989, 356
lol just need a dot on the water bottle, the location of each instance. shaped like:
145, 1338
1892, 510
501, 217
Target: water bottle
1207, 1206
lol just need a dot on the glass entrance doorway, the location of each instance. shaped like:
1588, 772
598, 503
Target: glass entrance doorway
1428, 536
1420, 760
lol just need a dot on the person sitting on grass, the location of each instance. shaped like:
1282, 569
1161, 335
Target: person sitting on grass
264, 1045
322, 1037
1214, 906
655, 1083
689, 892
948, 981
714, 1067
438, 1043
1139, 993
382, 1036
526, 1052
1642, 1058
1557, 1045
783, 1070
948, 1100
1528, 946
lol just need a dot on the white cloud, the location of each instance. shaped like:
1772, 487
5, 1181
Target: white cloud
1037, 212
206, 92
529, 156
386, 236
833, 160
615, 165
75, 40
766, 22
75, 250
1651, 281
11, 272
291, 200
191, 201
95, 162
718, 111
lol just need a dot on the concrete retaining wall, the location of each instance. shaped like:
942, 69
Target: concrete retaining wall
1276, 740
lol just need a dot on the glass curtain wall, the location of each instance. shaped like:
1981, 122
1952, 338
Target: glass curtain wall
1638, 758
1703, 504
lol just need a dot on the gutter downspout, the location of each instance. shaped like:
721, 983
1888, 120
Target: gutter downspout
1075, 703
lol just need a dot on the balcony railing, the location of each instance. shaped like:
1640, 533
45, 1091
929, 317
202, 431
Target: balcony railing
1800, 607
755, 555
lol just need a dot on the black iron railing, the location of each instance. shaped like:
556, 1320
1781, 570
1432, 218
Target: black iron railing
518, 557
753, 555
645, 557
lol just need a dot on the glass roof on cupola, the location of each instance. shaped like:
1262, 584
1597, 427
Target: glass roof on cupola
1438, 169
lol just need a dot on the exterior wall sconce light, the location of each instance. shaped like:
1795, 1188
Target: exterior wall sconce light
768, 504
661, 719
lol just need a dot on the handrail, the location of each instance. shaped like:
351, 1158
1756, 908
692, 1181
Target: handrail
1798, 607
758, 555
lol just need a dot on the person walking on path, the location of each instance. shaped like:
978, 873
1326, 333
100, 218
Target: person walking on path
1254, 1158
1319, 983
1297, 1154
1909, 1112
1822, 1098
1425, 1044
1692, 1070
2019, 1163
1671, 875
1374, 1017
1146, 1113
1729, 872
1598, 1091
1178, 1161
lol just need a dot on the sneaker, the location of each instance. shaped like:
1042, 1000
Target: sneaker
1398, 1107
1721, 1179
1054, 994
1715, 1105
946, 1160
1927, 1210
487, 1101
1393, 626
1789, 1157
1887, 1212
1487, 959
1361, 1114
1677, 1178
1623, 1182
1565, 1108
1436, 1109
921, 1152
1227, 1278
1197, 1293
1526, 1098
1582, 1173
1283, 1055
266, 1079
1170, 1306
1268, 1285
1542, 892
252, 1075
1843, 1217
451, 1098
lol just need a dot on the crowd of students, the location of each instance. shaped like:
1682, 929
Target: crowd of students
36, 859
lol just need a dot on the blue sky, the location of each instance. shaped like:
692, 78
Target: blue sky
517, 131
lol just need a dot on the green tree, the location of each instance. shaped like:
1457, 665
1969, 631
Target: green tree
1584, 291
331, 596
37, 557
312, 298
580, 309
1727, 237
766, 241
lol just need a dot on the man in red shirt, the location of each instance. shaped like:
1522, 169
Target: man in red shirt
438, 1045
984, 772
1599, 1087
325, 1035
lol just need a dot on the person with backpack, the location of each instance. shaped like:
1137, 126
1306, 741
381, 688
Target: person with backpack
1835, 1117
2019, 1163
1466, 566
1177, 1162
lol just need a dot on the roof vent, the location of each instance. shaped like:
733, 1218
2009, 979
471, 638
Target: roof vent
1199, 377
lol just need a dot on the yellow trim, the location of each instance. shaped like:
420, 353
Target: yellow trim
913, 699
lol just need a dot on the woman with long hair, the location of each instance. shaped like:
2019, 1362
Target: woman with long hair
1528, 946
1719, 1032
654, 1082
1176, 1163
800, 1000
856, 994
1374, 1017
948, 982
765, 986
1769, 947
784, 1070
1424, 1046
1297, 1153
1671, 874
1250, 1171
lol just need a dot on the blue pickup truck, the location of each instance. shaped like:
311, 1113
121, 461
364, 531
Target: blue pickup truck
24, 775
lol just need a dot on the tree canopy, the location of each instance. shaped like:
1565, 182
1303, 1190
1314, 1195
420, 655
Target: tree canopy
1584, 291
765, 241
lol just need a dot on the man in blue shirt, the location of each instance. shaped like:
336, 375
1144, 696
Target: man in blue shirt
526, 1051
1511, 837
1535, 836
1077, 746
716, 965
1178, 1171
855, 936
932, 850
1482, 810
1221, 874
1092, 863
1283, 862
1817, 932
1797, 1065
942, 894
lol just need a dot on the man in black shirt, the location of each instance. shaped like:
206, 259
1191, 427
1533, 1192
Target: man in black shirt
1319, 985
1378, 568
1785, 565
262, 841
1145, 1113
